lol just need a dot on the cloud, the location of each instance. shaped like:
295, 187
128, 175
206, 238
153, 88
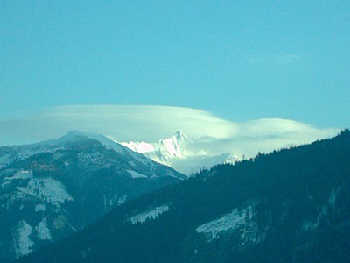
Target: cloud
264, 135
137, 122
212, 134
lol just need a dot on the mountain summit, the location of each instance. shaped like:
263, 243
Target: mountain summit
53, 188
180, 152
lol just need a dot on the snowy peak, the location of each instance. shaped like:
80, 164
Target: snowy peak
164, 148
180, 152
164, 151
173, 146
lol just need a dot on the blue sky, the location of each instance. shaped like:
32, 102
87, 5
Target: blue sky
240, 60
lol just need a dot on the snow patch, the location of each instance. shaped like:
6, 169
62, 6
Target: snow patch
122, 200
227, 222
150, 214
43, 231
313, 224
5, 183
46, 189
40, 207
236, 220
20, 175
23, 243
333, 197
95, 158
135, 174
116, 199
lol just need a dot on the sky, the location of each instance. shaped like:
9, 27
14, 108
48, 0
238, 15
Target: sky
238, 60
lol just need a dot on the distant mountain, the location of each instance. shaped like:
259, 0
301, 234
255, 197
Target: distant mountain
51, 189
178, 152
290, 206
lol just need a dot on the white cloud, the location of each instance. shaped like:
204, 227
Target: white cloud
264, 135
150, 123
123, 122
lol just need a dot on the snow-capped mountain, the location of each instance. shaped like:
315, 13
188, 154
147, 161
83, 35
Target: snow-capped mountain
165, 150
181, 153
53, 188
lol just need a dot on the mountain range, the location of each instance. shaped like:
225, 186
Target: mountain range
289, 206
54, 188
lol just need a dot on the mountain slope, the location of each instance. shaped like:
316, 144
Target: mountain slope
54, 188
288, 206
181, 153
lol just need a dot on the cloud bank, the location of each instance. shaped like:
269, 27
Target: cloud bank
212, 134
